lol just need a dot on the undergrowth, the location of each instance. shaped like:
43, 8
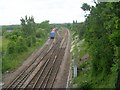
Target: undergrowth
11, 62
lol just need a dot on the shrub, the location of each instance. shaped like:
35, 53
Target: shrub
11, 47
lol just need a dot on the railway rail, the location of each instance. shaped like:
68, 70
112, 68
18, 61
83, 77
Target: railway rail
42, 71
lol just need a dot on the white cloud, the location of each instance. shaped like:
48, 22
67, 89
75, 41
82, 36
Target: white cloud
57, 11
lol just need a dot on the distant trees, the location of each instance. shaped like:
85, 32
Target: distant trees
22, 39
28, 26
29, 30
45, 25
27, 35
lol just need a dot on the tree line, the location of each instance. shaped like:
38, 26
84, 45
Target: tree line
101, 31
22, 38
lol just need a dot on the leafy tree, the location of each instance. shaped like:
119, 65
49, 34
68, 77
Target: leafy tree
28, 26
29, 29
45, 25
86, 7
102, 33
98, 28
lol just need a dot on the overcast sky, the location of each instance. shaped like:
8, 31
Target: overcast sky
56, 11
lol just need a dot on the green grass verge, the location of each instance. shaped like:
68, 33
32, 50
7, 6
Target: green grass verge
4, 44
0, 43
0, 59
83, 47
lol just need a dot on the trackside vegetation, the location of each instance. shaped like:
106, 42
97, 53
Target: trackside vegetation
19, 41
101, 35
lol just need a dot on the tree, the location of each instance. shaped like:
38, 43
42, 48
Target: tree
29, 29
86, 7
97, 34
102, 33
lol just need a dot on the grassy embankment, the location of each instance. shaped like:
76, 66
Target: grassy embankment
0, 58
11, 63
0, 43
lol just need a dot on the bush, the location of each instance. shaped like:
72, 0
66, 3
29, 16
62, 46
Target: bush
20, 45
11, 47
7, 34
85, 84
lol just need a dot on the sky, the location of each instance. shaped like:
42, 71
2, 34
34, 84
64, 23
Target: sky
56, 11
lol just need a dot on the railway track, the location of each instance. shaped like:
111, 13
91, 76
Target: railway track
28, 70
42, 71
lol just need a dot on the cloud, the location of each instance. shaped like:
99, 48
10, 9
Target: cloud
57, 11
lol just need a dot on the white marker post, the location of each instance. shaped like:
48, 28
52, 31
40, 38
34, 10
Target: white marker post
75, 69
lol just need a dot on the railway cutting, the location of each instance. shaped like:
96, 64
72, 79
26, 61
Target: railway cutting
46, 68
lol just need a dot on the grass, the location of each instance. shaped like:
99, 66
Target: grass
0, 59
4, 42
83, 48
11, 63
0, 43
